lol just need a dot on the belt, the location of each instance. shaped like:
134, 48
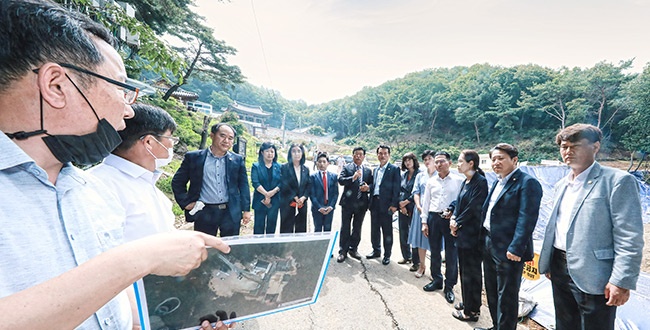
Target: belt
221, 206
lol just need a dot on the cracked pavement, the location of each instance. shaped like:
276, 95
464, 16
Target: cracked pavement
368, 295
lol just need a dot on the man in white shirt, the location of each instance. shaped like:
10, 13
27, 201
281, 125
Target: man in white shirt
133, 169
438, 204
594, 238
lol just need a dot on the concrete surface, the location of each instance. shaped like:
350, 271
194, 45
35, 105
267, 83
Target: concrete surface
368, 295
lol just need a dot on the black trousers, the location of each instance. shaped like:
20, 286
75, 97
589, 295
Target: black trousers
439, 231
290, 222
574, 309
469, 265
351, 221
212, 219
407, 251
502, 282
381, 226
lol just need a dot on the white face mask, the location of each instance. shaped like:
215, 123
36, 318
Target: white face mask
160, 162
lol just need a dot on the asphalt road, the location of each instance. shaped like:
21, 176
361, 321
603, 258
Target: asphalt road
368, 295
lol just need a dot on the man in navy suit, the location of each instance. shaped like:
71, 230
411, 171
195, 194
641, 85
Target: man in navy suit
354, 203
324, 192
509, 217
218, 179
594, 238
383, 204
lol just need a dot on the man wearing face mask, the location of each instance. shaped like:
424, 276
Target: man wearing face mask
133, 169
63, 96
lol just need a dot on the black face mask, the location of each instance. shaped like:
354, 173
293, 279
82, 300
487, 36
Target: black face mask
85, 149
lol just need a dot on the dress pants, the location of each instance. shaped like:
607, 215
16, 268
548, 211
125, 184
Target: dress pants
213, 219
407, 251
351, 221
291, 222
502, 282
322, 222
381, 225
469, 265
438, 232
574, 309
266, 219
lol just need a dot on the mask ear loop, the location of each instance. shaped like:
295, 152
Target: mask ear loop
22, 135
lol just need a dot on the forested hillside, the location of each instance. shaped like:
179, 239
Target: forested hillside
475, 107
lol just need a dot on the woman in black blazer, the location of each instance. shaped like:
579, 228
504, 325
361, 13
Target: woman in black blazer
294, 191
411, 168
466, 224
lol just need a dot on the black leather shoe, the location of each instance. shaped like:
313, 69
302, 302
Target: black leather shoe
373, 255
490, 328
449, 296
432, 286
354, 254
404, 261
459, 306
385, 261
414, 267
341, 257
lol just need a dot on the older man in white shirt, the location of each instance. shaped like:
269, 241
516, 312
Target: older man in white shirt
438, 205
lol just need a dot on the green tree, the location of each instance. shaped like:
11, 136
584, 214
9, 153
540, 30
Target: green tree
637, 125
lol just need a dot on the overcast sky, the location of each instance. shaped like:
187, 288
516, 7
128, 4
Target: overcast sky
321, 50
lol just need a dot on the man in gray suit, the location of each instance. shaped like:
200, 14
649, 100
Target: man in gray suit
594, 239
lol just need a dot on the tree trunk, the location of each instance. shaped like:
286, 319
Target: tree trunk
478, 138
433, 122
204, 131
601, 108
189, 71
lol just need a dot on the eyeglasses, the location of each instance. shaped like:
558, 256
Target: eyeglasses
174, 139
130, 92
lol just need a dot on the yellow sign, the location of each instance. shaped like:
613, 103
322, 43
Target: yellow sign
531, 268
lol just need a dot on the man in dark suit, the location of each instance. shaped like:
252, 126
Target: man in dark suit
509, 216
354, 203
324, 192
218, 180
383, 204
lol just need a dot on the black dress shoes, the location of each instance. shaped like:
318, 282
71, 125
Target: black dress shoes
414, 267
404, 261
373, 255
449, 296
385, 261
432, 286
490, 328
341, 257
354, 254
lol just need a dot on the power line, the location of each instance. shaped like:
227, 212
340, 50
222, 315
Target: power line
259, 35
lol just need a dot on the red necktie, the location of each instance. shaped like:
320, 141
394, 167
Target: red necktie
325, 186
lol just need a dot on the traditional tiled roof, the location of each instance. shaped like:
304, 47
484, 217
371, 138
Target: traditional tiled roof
248, 109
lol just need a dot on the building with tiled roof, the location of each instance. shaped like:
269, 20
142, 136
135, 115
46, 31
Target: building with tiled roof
252, 116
